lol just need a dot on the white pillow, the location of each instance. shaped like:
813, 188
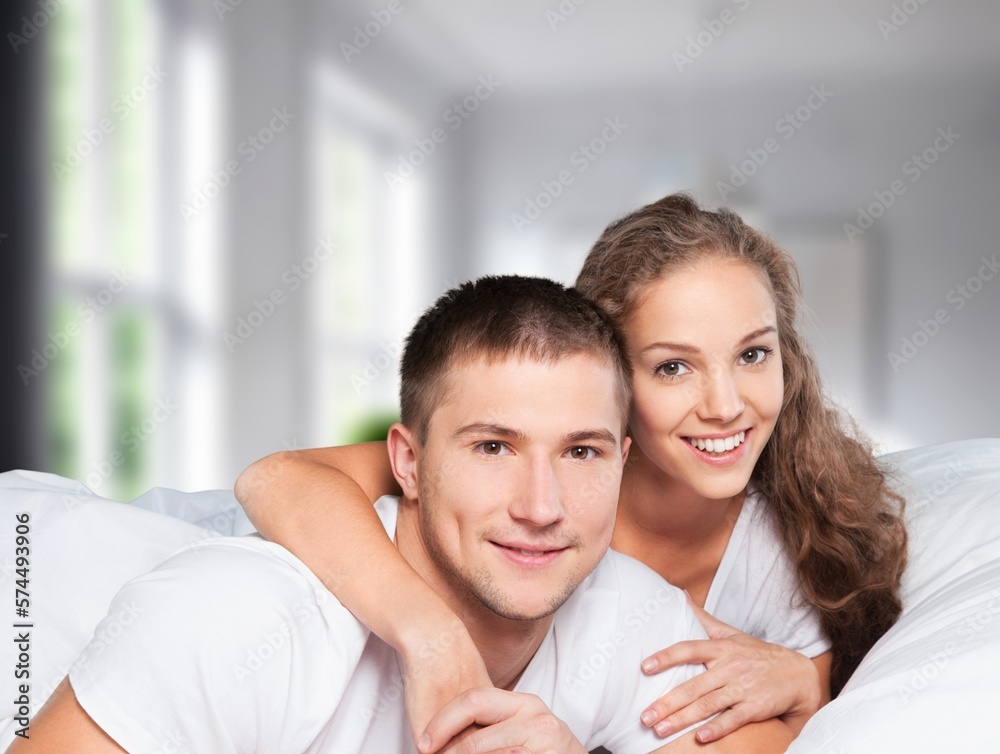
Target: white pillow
83, 548
929, 685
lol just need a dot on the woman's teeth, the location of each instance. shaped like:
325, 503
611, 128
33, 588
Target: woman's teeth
718, 446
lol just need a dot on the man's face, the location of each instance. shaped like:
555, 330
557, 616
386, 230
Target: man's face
518, 480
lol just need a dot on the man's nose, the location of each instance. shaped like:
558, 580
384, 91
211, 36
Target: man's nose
539, 501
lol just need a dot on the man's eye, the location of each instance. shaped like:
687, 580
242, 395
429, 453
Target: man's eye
492, 448
582, 453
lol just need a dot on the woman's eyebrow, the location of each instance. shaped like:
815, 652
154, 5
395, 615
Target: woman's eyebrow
680, 347
756, 334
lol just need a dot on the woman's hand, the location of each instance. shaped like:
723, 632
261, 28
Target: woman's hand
439, 664
747, 680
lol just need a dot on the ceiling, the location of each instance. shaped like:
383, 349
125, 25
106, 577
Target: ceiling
601, 44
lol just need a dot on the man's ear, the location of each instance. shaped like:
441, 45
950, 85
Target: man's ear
403, 451
626, 444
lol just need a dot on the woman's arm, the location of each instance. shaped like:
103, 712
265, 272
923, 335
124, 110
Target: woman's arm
746, 680
318, 505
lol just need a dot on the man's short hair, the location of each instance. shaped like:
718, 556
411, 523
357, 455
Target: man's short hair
497, 318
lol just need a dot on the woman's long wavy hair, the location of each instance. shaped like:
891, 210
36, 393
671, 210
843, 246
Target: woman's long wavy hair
841, 522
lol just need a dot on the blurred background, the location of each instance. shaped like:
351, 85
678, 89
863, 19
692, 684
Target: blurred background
221, 217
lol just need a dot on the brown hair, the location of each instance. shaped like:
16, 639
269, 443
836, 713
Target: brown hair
841, 522
496, 318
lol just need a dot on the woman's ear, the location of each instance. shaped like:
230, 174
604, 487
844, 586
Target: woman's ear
403, 449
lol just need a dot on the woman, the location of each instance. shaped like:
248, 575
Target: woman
743, 487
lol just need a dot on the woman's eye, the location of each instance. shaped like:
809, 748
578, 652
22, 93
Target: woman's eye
672, 369
754, 356
582, 453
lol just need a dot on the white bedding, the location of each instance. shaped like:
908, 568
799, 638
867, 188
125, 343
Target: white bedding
83, 548
928, 686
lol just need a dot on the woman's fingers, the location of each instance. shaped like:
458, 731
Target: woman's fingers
691, 702
694, 651
724, 724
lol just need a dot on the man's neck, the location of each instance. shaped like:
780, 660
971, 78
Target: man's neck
506, 645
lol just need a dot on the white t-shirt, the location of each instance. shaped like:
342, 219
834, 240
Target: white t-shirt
235, 646
756, 589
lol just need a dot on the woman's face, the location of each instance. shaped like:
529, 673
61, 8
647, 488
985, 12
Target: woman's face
703, 342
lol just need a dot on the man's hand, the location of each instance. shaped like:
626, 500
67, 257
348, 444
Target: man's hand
510, 722
747, 680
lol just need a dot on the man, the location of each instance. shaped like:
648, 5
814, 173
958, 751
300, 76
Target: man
515, 396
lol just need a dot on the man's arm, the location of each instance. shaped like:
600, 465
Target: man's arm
62, 725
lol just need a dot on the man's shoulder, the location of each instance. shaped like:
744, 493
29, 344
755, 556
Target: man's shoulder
632, 581
626, 603
238, 584
234, 631
588, 668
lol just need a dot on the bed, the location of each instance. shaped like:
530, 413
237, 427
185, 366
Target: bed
927, 686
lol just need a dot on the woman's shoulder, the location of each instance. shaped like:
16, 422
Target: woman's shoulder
756, 586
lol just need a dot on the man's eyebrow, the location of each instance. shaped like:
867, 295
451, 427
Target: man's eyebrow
494, 430
592, 435
508, 433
